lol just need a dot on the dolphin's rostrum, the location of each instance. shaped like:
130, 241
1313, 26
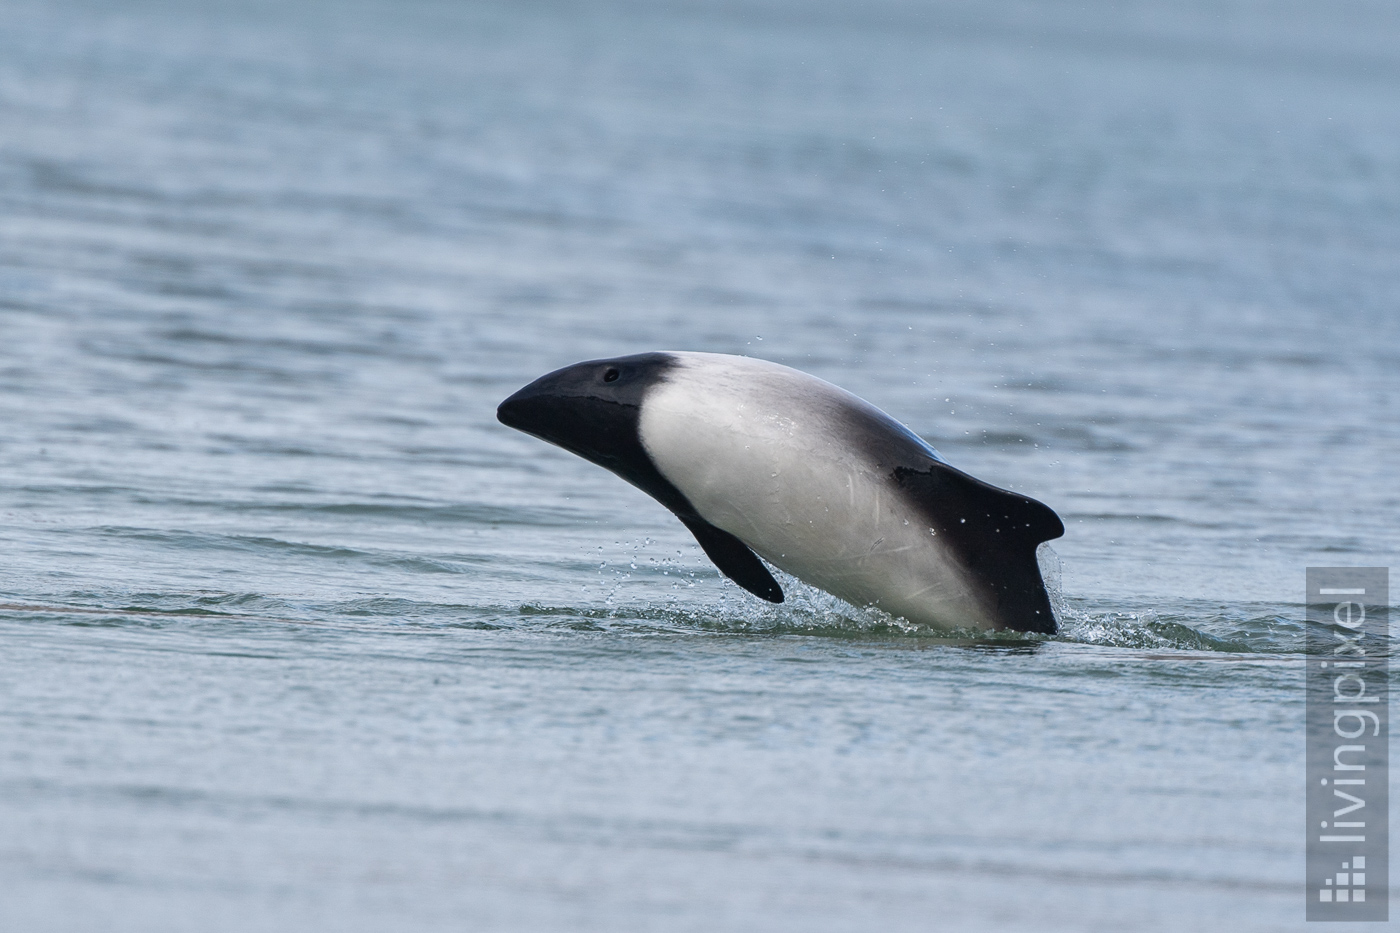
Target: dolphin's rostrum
760, 460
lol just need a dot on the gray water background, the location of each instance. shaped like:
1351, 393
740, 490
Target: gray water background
296, 636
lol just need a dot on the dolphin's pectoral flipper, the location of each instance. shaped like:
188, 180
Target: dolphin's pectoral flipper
734, 559
996, 532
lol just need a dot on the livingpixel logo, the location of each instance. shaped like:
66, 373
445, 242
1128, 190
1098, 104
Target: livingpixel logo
1348, 743
1350, 883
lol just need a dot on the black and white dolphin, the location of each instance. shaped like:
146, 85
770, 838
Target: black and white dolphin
757, 457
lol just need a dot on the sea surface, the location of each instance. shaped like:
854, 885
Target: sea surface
295, 636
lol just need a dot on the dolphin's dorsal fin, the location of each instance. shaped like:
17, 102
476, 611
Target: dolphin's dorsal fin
996, 531
734, 559
1007, 518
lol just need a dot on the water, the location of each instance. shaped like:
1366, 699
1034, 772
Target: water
297, 637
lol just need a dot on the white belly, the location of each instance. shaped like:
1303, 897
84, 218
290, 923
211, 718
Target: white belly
761, 452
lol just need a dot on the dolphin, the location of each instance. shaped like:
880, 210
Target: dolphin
760, 460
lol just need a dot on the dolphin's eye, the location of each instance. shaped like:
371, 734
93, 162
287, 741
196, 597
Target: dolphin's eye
611, 375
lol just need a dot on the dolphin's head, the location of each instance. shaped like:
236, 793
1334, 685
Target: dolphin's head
593, 409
